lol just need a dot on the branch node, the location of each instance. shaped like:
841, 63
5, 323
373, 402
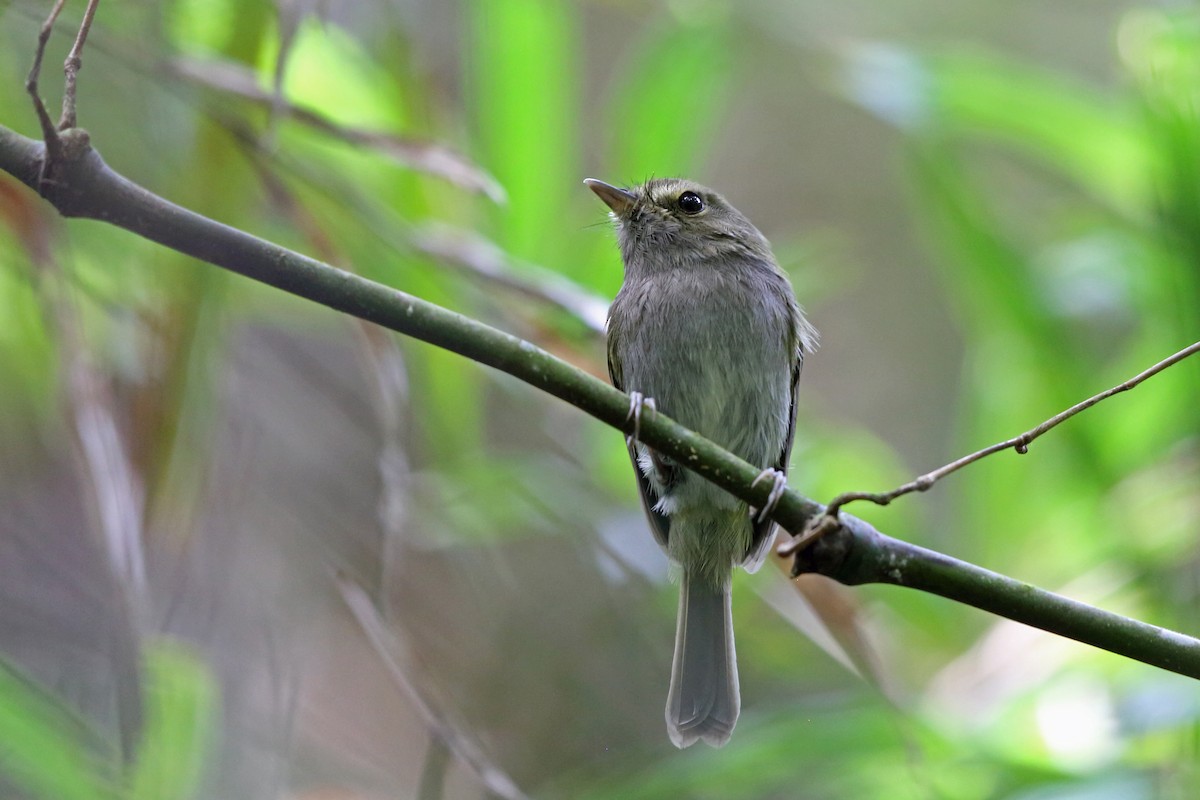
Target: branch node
64, 147
818, 527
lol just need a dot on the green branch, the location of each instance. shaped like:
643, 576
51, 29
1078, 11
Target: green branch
855, 553
80, 184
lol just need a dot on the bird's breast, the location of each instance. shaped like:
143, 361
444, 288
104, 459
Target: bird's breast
714, 351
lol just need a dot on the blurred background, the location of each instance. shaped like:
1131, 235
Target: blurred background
250, 548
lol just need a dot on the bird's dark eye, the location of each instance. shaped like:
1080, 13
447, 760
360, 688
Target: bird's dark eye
690, 203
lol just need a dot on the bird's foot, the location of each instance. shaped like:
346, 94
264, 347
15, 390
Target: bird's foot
638, 402
780, 486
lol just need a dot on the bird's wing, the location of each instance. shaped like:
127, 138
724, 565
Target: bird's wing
763, 531
660, 524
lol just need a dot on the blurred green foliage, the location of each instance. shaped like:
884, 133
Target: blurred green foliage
1061, 216
50, 752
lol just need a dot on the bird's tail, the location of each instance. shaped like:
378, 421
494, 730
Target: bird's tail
704, 700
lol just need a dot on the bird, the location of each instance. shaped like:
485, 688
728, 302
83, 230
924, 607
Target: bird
705, 329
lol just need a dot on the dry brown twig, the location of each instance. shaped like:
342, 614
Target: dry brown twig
49, 133
73, 63
71, 69
828, 521
56, 144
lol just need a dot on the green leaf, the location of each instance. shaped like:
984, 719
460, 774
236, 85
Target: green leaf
329, 71
208, 27
522, 67
1093, 137
663, 126
179, 700
42, 748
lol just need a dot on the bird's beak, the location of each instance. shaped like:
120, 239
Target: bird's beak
620, 201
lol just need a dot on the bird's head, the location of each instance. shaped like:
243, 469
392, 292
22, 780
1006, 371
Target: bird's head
670, 222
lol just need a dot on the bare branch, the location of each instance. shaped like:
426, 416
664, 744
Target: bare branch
1019, 443
853, 553
850, 551
72, 65
49, 133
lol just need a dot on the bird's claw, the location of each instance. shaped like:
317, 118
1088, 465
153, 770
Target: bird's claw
780, 486
637, 402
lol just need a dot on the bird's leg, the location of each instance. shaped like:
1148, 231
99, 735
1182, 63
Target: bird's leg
637, 402
780, 480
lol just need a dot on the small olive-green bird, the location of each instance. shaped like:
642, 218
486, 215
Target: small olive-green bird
705, 329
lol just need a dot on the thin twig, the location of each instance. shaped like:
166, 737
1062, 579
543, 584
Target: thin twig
818, 527
393, 654
49, 133
1019, 443
73, 63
